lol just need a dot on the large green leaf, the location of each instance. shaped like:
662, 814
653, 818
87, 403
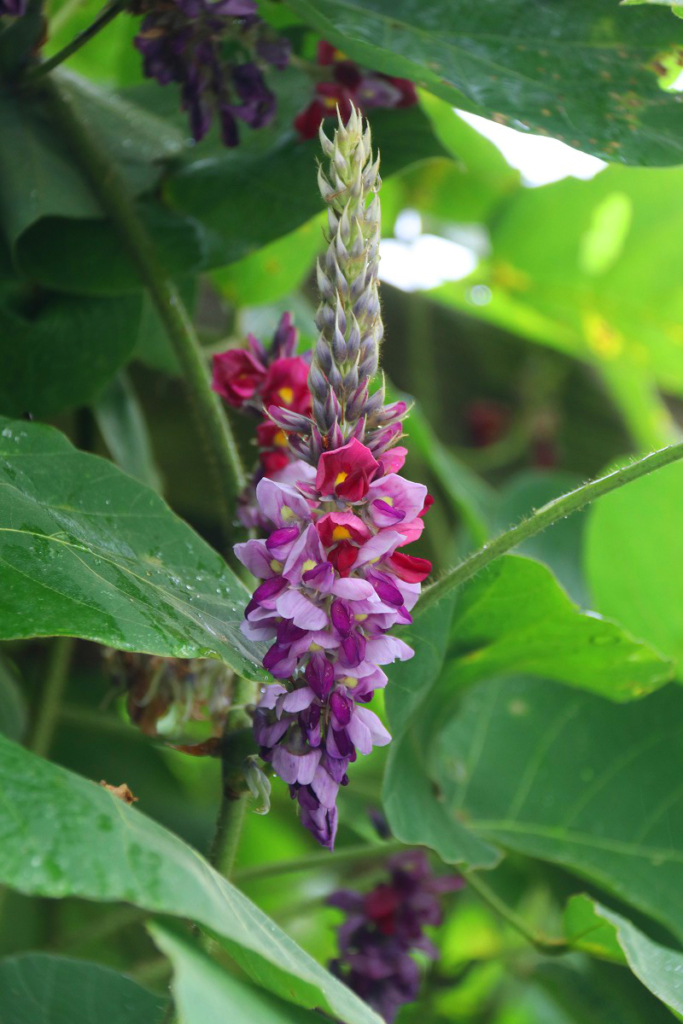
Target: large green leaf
512, 618
38, 175
58, 352
207, 994
49, 216
572, 779
634, 558
39, 989
584, 72
58, 832
272, 190
659, 968
88, 551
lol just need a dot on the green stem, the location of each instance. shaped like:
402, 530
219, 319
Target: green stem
557, 509
233, 808
51, 697
106, 15
543, 943
112, 192
346, 855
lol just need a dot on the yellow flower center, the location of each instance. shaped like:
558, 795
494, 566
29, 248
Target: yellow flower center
361, 617
280, 438
308, 564
287, 395
341, 533
315, 647
340, 478
276, 566
287, 513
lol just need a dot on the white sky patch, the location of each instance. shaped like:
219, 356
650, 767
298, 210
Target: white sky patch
540, 160
423, 262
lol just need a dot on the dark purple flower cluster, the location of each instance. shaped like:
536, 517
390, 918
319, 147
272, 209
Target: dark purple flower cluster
183, 41
13, 8
383, 927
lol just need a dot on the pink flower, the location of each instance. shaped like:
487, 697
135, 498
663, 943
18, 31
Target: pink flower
346, 472
237, 375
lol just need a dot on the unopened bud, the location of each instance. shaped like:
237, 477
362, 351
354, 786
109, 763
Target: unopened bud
258, 784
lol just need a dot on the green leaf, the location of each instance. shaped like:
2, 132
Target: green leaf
58, 833
51, 220
206, 993
13, 711
659, 968
584, 929
88, 551
413, 809
590, 992
39, 989
514, 617
634, 559
58, 352
38, 176
554, 773
584, 73
272, 191
122, 424
271, 273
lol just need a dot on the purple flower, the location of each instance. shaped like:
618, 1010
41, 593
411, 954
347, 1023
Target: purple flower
383, 927
183, 42
13, 8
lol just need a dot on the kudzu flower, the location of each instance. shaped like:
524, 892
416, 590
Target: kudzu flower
13, 8
382, 929
183, 41
350, 86
256, 378
334, 578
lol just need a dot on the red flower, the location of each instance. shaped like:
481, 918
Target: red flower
343, 556
273, 447
409, 568
338, 526
346, 472
286, 385
328, 95
237, 375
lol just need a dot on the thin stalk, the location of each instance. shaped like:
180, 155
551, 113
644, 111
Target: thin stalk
347, 855
51, 697
555, 510
543, 943
232, 809
106, 15
113, 194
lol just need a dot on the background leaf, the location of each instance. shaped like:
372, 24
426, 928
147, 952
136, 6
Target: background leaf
49, 818
88, 551
585, 74
59, 352
634, 558
206, 993
39, 989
